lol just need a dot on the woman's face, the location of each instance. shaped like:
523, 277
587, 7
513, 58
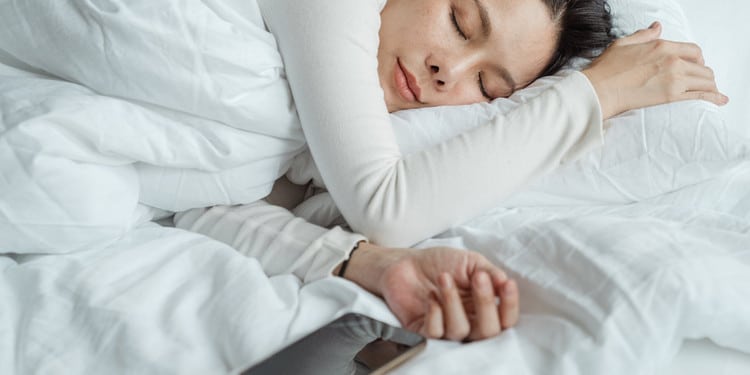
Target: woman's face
449, 52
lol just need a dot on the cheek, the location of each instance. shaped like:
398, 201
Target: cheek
419, 28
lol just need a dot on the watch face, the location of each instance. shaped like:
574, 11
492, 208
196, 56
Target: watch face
350, 343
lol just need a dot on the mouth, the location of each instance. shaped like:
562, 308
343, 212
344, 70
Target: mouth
406, 83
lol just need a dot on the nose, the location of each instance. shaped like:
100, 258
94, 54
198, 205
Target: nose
448, 69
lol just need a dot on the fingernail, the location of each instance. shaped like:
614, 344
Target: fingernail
726, 99
654, 25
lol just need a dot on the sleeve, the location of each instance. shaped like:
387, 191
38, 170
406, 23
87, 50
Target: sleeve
330, 55
281, 242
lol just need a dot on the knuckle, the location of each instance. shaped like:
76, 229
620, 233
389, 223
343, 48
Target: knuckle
485, 298
484, 294
697, 50
476, 256
711, 73
673, 62
674, 80
501, 275
660, 45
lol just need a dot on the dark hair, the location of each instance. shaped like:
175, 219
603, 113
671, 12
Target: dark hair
585, 29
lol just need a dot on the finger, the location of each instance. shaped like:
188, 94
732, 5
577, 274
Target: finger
509, 304
483, 264
701, 84
687, 51
712, 97
498, 277
702, 88
650, 34
433, 323
457, 325
673, 51
700, 71
487, 321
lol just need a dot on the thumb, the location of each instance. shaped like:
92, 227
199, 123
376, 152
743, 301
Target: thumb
643, 36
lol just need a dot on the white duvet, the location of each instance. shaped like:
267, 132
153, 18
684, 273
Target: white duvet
613, 276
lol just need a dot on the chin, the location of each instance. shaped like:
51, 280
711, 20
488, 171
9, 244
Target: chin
391, 105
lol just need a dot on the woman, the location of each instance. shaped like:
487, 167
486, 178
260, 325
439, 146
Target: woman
453, 52
351, 62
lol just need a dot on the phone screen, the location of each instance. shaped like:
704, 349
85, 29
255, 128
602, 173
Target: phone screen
350, 344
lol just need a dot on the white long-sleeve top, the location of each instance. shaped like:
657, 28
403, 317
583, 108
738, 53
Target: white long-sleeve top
395, 200
280, 241
330, 51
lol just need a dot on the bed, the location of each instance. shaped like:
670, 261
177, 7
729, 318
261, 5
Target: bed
619, 272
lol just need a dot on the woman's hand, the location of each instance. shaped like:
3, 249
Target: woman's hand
642, 70
439, 292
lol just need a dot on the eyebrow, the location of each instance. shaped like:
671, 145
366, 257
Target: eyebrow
484, 16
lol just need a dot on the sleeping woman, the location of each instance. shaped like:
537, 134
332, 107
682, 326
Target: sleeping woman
445, 52
350, 63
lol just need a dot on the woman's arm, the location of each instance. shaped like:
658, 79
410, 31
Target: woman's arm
282, 242
330, 49
330, 53
411, 281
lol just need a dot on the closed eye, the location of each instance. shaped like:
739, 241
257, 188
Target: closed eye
482, 88
455, 23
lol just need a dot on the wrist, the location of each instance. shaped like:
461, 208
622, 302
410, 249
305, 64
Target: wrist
368, 264
608, 98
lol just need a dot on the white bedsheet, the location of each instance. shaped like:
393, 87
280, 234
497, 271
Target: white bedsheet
606, 289
613, 289
159, 301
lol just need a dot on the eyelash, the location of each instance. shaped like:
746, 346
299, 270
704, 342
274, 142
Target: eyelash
455, 23
481, 87
462, 35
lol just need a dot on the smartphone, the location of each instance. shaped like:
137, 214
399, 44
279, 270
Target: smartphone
351, 344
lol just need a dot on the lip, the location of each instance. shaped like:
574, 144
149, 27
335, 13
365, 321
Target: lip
406, 83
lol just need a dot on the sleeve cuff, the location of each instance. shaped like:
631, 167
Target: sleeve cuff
332, 248
583, 103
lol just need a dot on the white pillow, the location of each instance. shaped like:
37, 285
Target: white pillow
647, 152
725, 49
